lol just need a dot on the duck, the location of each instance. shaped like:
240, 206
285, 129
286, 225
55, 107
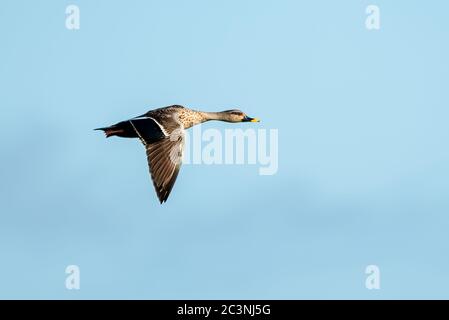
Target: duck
161, 131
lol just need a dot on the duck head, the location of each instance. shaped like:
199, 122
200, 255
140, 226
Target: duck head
235, 115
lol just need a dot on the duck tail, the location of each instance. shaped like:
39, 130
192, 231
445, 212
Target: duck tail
111, 131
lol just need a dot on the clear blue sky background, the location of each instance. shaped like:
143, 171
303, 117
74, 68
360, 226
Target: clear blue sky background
363, 150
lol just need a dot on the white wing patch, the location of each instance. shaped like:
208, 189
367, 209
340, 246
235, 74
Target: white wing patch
160, 126
138, 133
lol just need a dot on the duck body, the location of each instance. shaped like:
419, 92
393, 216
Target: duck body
162, 133
168, 118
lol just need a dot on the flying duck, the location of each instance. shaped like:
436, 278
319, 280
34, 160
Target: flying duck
162, 133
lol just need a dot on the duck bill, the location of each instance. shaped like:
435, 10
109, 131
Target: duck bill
249, 119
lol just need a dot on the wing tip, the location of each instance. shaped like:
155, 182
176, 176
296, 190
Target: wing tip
163, 196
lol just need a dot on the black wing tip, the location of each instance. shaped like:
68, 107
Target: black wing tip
163, 196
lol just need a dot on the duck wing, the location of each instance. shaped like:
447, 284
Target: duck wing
164, 146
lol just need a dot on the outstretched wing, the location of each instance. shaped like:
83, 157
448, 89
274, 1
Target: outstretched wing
164, 156
164, 159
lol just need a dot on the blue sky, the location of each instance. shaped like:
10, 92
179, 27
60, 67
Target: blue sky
363, 157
